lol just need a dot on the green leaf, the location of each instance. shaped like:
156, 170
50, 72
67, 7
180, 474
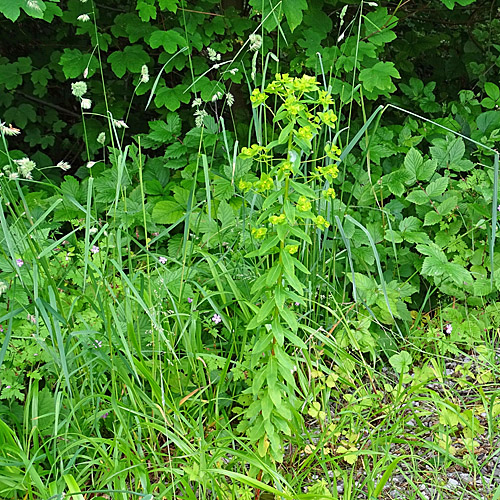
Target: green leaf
265, 310
438, 187
293, 12
432, 218
170, 5
426, 170
432, 266
146, 11
10, 76
458, 274
289, 316
492, 90
165, 132
418, 197
401, 362
379, 76
132, 59
74, 63
171, 98
167, 212
11, 8
41, 76
448, 205
170, 40
267, 406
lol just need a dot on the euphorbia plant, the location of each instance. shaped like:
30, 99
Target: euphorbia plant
289, 187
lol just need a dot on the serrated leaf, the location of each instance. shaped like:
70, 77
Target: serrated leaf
11, 8
438, 187
432, 218
146, 11
74, 63
167, 212
426, 170
170, 5
293, 12
413, 160
418, 197
448, 205
171, 98
170, 40
379, 76
132, 59
432, 266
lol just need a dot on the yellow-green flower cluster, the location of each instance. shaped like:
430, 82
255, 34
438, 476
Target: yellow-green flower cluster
328, 118
329, 193
259, 233
245, 185
277, 219
304, 205
306, 133
329, 171
254, 151
291, 249
332, 151
286, 167
321, 222
325, 98
257, 98
265, 183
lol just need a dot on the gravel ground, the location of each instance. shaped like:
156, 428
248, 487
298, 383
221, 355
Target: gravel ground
433, 475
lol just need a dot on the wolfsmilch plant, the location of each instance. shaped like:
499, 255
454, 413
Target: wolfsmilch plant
287, 212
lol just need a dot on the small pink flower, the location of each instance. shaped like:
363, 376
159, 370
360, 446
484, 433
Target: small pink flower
297, 303
7, 386
94, 249
448, 328
216, 318
162, 260
19, 262
190, 300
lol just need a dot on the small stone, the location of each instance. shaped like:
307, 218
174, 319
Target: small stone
453, 483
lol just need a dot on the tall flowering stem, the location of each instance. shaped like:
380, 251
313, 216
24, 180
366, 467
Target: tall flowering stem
288, 204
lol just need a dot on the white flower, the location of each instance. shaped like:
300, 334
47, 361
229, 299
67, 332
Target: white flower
63, 165
233, 71
255, 42
93, 230
79, 89
120, 124
8, 130
212, 55
90, 164
86, 103
217, 96
24, 167
86, 72
84, 18
3, 287
144, 74
101, 138
199, 114
229, 99
13, 175
197, 102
